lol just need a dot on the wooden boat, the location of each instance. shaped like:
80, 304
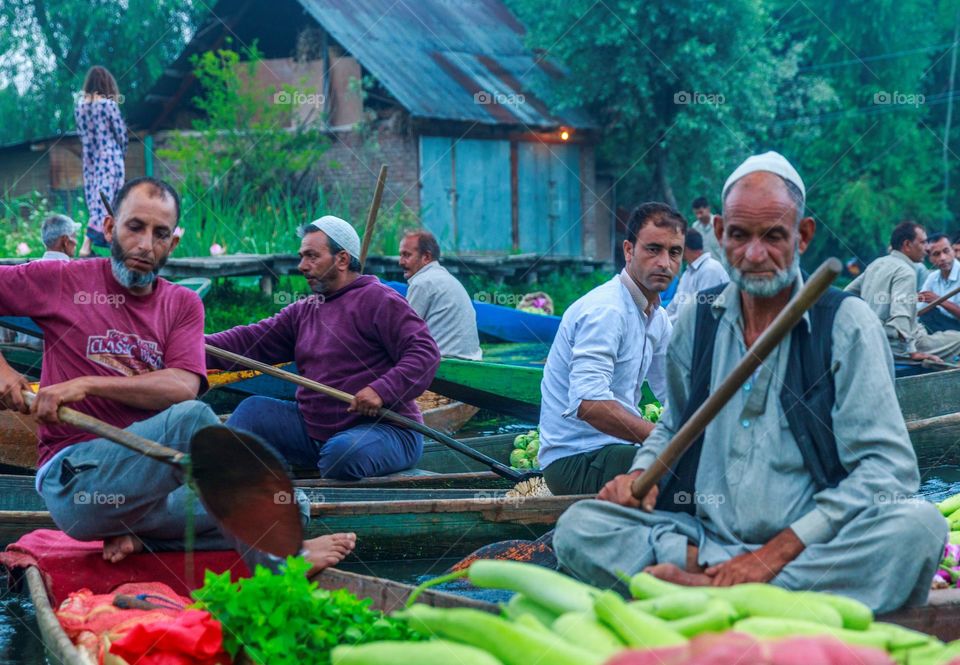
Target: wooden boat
939, 617
386, 595
390, 523
505, 324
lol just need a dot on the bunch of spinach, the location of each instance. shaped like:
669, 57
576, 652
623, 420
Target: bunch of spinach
284, 618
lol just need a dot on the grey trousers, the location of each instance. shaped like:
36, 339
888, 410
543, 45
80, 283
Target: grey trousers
98, 489
885, 557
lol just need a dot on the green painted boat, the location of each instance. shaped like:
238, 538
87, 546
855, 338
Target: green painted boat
390, 523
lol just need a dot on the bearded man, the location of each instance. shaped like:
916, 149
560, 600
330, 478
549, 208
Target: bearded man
805, 479
126, 347
354, 334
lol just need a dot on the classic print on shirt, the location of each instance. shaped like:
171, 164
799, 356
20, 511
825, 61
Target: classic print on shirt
126, 353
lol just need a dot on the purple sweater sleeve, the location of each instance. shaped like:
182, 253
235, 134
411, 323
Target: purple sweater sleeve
410, 345
269, 341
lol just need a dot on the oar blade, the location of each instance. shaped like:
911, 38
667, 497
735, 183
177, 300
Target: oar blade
246, 488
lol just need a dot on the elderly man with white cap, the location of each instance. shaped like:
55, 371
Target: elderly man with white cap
352, 333
805, 478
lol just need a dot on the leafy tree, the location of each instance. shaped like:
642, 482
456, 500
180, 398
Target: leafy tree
682, 89
49, 46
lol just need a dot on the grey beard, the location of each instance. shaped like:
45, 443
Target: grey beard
763, 288
130, 279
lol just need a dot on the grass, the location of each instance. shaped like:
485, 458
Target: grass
239, 301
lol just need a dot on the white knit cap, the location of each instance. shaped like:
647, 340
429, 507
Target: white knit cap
340, 232
772, 162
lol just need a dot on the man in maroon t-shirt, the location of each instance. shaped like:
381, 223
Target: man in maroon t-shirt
126, 347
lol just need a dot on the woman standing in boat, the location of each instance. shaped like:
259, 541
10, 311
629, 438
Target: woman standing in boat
103, 135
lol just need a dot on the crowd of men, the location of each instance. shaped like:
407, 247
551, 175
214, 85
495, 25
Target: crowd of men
797, 468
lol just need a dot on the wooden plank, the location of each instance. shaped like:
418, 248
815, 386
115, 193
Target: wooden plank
388, 596
928, 395
939, 617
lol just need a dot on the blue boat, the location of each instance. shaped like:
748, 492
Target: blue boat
504, 324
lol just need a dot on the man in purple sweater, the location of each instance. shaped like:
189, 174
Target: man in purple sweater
352, 333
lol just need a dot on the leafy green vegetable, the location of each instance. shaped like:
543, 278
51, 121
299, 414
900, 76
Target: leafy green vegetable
285, 619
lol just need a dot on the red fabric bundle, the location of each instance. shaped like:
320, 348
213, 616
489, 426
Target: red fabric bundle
193, 637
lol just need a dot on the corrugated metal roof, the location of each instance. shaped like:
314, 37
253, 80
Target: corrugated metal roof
461, 60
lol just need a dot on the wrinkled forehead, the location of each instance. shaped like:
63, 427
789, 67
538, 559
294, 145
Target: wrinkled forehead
155, 209
315, 241
759, 197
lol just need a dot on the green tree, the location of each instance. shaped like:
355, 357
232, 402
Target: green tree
49, 46
682, 89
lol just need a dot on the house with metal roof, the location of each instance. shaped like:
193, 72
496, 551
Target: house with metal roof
444, 92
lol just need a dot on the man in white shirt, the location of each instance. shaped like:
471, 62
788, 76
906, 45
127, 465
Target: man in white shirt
608, 342
438, 298
941, 281
703, 224
703, 272
59, 235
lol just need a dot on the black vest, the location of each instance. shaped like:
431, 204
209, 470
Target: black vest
807, 397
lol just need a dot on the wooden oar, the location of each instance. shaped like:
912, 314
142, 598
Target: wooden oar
497, 467
788, 317
239, 479
372, 215
929, 307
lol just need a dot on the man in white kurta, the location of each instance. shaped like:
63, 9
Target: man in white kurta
889, 287
942, 281
702, 272
757, 512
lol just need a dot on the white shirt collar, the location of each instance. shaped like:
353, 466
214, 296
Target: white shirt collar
54, 256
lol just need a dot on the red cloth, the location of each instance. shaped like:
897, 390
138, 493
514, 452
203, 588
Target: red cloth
193, 637
95, 327
68, 565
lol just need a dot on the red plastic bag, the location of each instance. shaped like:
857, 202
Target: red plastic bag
192, 638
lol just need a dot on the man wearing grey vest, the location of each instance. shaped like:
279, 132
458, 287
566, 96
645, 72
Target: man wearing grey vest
805, 479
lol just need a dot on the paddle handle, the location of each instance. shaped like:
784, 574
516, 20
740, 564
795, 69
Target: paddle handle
126, 439
106, 203
929, 307
497, 467
815, 287
372, 215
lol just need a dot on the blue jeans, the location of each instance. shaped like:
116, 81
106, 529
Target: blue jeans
98, 489
374, 449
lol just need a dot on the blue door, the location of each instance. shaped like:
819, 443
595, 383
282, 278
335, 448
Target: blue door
549, 212
465, 193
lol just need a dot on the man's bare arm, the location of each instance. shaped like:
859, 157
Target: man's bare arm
11, 383
609, 417
154, 391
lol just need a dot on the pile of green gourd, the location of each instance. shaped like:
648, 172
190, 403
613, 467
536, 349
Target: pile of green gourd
555, 619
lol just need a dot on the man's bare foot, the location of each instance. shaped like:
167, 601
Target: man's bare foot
327, 551
116, 548
669, 572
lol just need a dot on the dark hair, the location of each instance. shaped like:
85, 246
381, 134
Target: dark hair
956, 239
334, 247
903, 232
936, 237
700, 202
426, 243
694, 240
99, 81
158, 188
659, 214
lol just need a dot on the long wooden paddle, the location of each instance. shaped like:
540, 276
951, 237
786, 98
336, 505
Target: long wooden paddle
933, 304
238, 478
497, 467
788, 317
540, 551
372, 215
